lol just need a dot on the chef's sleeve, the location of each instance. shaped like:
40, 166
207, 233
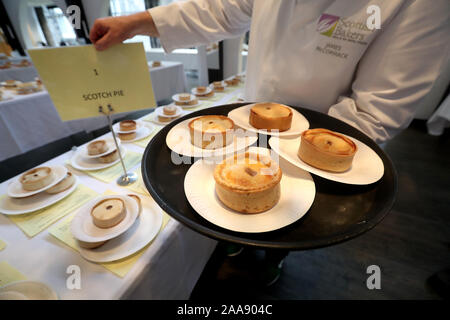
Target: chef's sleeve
195, 22
398, 70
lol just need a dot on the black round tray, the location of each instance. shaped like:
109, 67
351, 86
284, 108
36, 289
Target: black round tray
339, 212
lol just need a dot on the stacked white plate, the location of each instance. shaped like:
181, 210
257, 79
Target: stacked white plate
192, 97
20, 201
160, 112
142, 131
81, 160
132, 234
202, 94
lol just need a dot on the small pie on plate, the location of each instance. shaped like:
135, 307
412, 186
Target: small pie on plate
63, 185
270, 116
248, 183
327, 150
127, 136
97, 147
37, 178
127, 125
110, 157
108, 213
211, 132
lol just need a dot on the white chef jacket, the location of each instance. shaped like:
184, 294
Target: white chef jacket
320, 54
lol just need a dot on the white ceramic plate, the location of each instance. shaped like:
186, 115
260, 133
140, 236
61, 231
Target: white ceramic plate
160, 112
15, 206
201, 94
367, 167
79, 162
84, 229
142, 133
15, 189
297, 195
29, 290
144, 230
178, 139
109, 142
116, 127
241, 116
176, 97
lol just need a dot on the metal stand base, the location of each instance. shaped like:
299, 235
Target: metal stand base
127, 179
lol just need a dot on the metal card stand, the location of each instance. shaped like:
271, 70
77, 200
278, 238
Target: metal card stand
127, 178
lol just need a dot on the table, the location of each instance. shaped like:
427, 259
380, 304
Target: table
167, 80
24, 74
168, 269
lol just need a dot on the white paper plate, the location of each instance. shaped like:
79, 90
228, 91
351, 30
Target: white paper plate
15, 189
178, 139
187, 107
241, 116
142, 133
109, 142
367, 167
79, 162
160, 112
201, 94
15, 206
176, 97
116, 127
84, 229
297, 195
31, 290
144, 230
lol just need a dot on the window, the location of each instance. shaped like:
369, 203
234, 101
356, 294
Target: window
126, 7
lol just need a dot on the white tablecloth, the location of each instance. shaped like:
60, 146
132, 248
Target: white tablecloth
24, 74
168, 269
168, 79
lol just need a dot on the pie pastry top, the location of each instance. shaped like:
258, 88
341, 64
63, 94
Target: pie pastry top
201, 89
247, 173
327, 150
127, 125
212, 124
108, 213
97, 147
37, 178
211, 131
330, 142
184, 97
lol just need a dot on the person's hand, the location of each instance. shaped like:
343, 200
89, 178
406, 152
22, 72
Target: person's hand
109, 31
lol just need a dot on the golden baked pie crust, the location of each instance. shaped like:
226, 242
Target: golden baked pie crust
222, 181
